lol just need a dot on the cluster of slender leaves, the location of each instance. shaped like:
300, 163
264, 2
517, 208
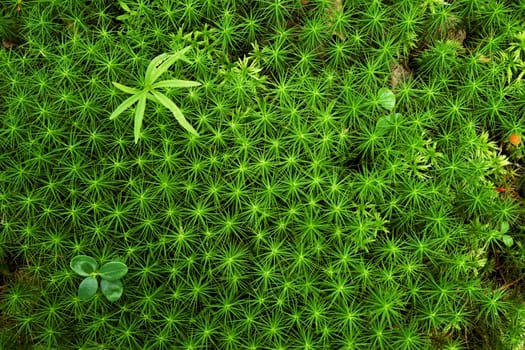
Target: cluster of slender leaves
156, 68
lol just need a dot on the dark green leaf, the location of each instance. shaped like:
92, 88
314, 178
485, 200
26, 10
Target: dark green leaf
113, 271
87, 288
112, 289
83, 265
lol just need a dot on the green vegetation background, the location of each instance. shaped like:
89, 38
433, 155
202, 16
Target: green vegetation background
305, 215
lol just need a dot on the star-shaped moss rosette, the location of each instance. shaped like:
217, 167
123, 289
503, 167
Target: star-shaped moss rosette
158, 66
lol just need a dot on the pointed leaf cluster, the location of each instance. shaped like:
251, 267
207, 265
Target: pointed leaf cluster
158, 66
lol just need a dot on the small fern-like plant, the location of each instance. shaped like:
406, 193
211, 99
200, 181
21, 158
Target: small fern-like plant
158, 66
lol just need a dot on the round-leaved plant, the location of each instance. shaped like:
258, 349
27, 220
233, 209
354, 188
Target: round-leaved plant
110, 274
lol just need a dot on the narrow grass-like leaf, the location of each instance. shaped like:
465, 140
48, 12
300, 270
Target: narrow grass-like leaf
123, 106
113, 271
126, 89
175, 83
124, 6
112, 289
83, 265
87, 288
165, 65
157, 61
175, 110
151, 97
139, 115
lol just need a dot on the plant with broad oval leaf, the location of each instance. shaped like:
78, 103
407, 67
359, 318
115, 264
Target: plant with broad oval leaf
387, 99
110, 274
158, 66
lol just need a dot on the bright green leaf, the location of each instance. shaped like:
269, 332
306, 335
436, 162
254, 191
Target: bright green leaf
162, 68
508, 240
124, 6
83, 265
156, 67
123, 106
175, 110
482, 262
152, 66
126, 89
113, 271
387, 99
504, 227
139, 115
397, 118
175, 83
166, 64
153, 98
87, 288
384, 123
112, 289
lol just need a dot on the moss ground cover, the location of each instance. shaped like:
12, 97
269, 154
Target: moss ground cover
354, 180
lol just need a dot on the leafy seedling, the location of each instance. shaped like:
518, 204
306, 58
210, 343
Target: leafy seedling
110, 274
158, 66
387, 100
388, 122
507, 240
497, 236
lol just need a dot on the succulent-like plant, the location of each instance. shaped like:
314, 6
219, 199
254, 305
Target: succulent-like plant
110, 274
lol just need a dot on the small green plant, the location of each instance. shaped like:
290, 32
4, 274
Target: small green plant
498, 236
129, 13
158, 66
110, 274
387, 99
514, 58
